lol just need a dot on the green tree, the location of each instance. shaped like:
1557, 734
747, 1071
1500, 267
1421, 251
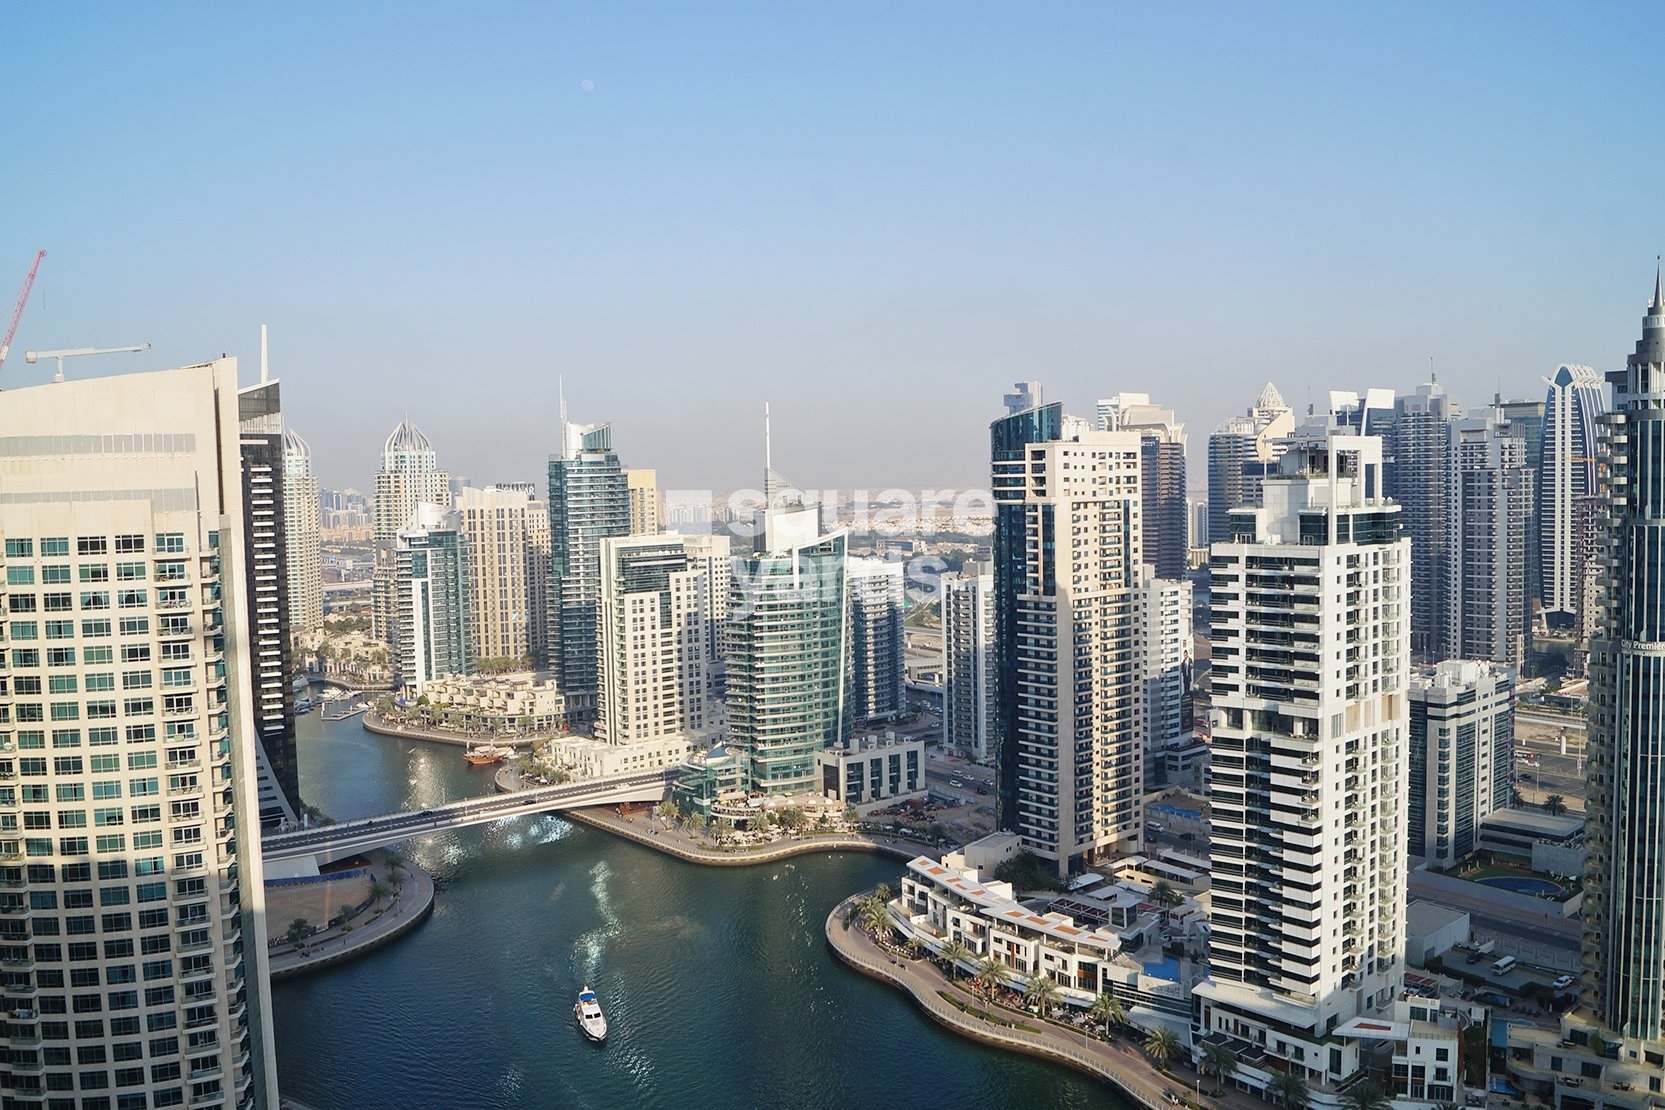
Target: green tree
936, 832
874, 914
696, 821
990, 977
954, 951
665, 810
1555, 805
1162, 1045
1289, 1088
1043, 990
1367, 1096
299, 930
1163, 894
1516, 798
722, 827
793, 818
378, 890
1219, 1061
1108, 1008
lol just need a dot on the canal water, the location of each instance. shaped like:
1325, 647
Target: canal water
717, 982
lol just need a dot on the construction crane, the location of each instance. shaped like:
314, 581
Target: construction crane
70, 352
17, 313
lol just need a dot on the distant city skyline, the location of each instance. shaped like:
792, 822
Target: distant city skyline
876, 219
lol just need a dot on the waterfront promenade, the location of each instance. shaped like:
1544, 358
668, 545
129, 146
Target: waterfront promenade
1119, 1062
411, 901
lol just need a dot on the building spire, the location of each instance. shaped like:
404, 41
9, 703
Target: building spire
1658, 288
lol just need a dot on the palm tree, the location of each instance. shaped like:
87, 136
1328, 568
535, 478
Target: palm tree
1555, 805
1445, 1106
1219, 1061
882, 892
298, 931
1163, 894
1290, 1089
1162, 1046
665, 810
1043, 990
874, 916
1108, 1007
1368, 1096
954, 951
990, 977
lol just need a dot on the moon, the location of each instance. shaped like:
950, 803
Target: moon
587, 85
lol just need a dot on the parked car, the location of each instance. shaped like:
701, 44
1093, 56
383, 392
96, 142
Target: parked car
1475, 957
1563, 982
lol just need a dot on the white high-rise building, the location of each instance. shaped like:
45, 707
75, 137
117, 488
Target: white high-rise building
1164, 624
1488, 516
1253, 441
409, 476
663, 599
1067, 565
300, 518
429, 629
132, 923
970, 720
1461, 755
1310, 667
1567, 479
876, 590
504, 607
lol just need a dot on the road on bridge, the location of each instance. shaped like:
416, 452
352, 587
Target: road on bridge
374, 832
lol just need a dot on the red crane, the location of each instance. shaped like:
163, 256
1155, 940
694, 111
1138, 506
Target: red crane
17, 313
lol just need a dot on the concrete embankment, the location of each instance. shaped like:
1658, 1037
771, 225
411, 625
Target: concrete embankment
1115, 1063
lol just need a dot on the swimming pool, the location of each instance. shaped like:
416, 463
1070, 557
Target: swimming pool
1172, 811
1164, 968
1524, 884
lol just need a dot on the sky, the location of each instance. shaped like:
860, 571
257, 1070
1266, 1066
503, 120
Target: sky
875, 217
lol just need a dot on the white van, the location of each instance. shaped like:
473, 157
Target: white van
1503, 966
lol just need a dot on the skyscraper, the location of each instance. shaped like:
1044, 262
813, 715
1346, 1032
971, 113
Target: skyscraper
1167, 539
1165, 645
1461, 751
503, 607
645, 513
1488, 514
1309, 673
589, 500
1566, 480
1624, 903
663, 598
970, 714
878, 677
786, 644
266, 592
409, 476
125, 551
1420, 480
1248, 439
301, 541
430, 622
1067, 564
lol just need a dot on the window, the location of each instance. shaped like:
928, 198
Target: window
67, 764
66, 738
138, 707
132, 599
60, 657
20, 576
113, 842
135, 653
92, 545
101, 737
107, 817
170, 542
53, 545
141, 734
95, 626
25, 657
102, 682
20, 549
136, 680
176, 676
95, 572
143, 788
140, 761
139, 626
62, 684
95, 599
100, 710
55, 575
24, 630
130, 545
56, 630
65, 711
21, 603
56, 603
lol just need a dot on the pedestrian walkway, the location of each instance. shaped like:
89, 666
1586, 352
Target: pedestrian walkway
390, 919
1119, 1062
683, 843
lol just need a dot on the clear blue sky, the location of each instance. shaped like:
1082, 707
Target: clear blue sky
874, 216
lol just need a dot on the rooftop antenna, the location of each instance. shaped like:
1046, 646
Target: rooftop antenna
1433, 378
264, 375
768, 463
561, 387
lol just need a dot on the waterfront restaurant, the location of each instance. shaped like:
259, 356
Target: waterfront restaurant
948, 900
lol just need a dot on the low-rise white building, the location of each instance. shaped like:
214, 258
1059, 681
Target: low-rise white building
525, 702
870, 769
